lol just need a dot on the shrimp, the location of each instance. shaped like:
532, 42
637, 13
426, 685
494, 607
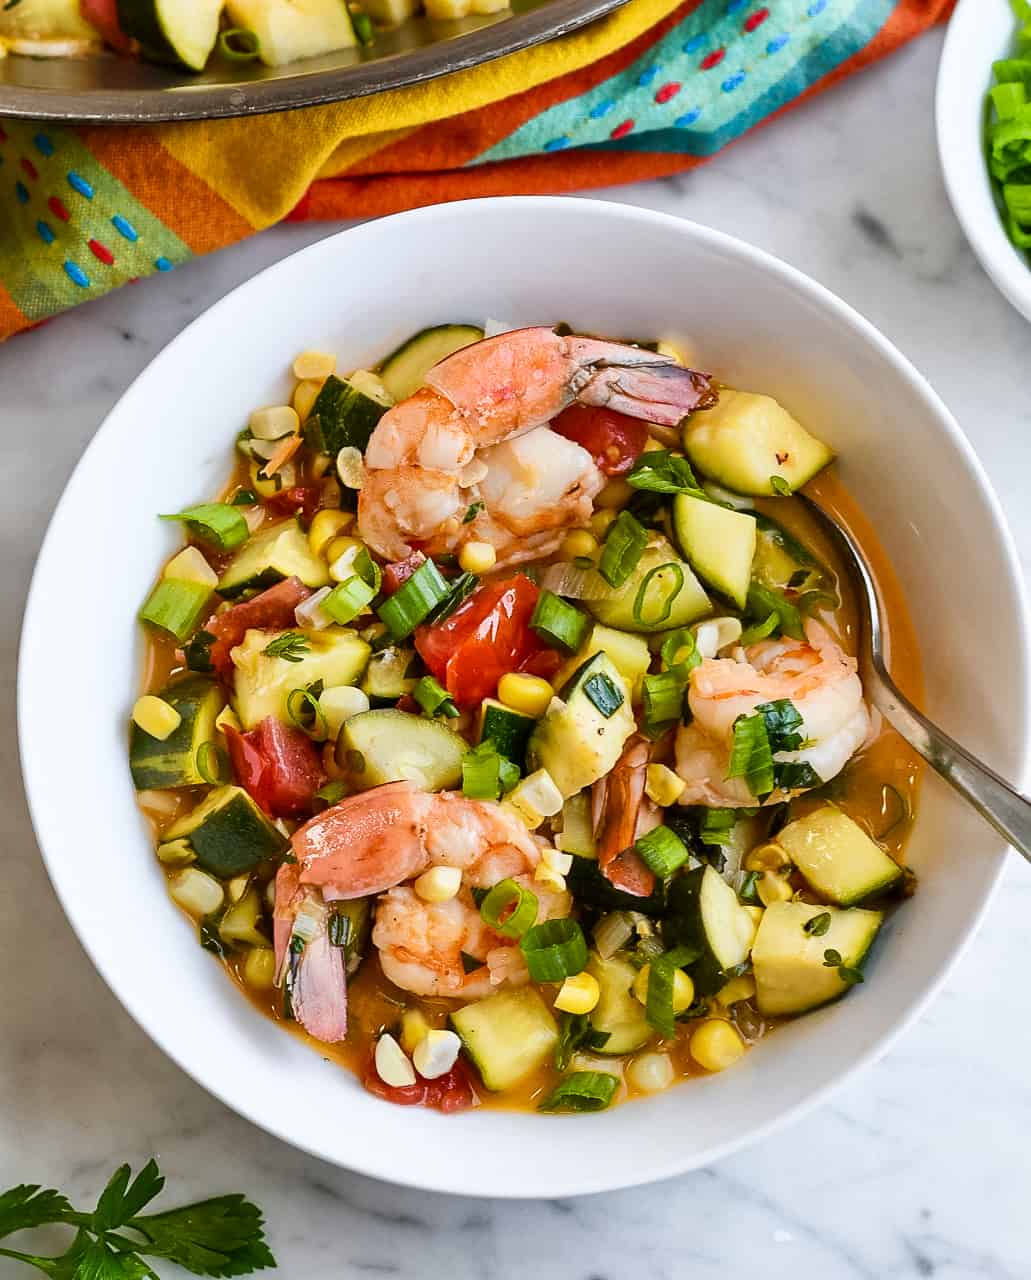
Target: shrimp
617, 808
815, 675
372, 843
476, 439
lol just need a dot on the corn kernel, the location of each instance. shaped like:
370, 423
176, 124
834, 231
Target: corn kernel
651, 1072
716, 1045
579, 543
616, 494
662, 785
735, 990
578, 994
196, 892
392, 1066
439, 884
477, 557
413, 1027
436, 1053
273, 422
340, 555
543, 874
259, 968
767, 857
227, 718
326, 526
601, 520
772, 888
176, 853
304, 397
560, 863
651, 445
339, 704
443, 10
529, 694
156, 717
683, 988
350, 467
314, 364
190, 566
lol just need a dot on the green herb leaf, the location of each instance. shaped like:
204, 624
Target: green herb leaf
291, 646
244, 498
782, 724
659, 471
472, 511
792, 775
223, 1236
575, 1032
750, 754
122, 1199
831, 958
817, 926
848, 975
780, 487
30, 1205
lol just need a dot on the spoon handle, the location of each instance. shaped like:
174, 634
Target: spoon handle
1006, 809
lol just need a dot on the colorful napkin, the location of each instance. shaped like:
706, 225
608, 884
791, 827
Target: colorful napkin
652, 89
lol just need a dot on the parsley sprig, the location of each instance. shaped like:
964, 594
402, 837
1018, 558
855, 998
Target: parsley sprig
223, 1236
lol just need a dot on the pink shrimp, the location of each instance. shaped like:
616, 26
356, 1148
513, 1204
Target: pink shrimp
616, 803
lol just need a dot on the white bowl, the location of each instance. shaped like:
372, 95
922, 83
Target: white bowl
602, 267
980, 32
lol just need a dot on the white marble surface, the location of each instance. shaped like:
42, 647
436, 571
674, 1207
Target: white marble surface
918, 1168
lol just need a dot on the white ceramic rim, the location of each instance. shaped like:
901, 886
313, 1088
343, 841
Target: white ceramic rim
553, 1183
961, 152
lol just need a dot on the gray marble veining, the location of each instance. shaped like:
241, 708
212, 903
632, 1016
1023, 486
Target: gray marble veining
919, 1168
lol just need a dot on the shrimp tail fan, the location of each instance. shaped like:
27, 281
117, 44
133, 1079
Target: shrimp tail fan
317, 981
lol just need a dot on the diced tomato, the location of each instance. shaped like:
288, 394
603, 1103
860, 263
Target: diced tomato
103, 14
273, 610
305, 498
612, 439
278, 766
450, 1092
487, 635
398, 573
545, 663
407, 703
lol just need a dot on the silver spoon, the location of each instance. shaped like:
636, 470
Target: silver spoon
1006, 809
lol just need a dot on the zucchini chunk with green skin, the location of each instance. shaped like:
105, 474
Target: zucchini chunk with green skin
618, 1012
404, 372
718, 542
228, 833
240, 923
263, 683
386, 675
704, 913
509, 730
298, 29
643, 606
277, 552
576, 741
172, 762
781, 561
178, 31
791, 973
836, 856
342, 416
746, 439
507, 1036
389, 745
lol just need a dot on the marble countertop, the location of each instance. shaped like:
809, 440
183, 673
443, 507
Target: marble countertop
919, 1167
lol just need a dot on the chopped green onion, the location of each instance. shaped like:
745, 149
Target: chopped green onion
662, 851
347, 600
461, 588
176, 606
559, 623
331, 793
554, 950
338, 929
760, 630
662, 700
665, 594
303, 710
487, 775
679, 649
472, 511
509, 909
291, 646
762, 601
582, 1091
662, 971
213, 764
716, 826
794, 775
434, 698
414, 601
244, 498
362, 24
216, 523
575, 1032
782, 724
780, 487
603, 693
624, 546
239, 44
660, 471
750, 755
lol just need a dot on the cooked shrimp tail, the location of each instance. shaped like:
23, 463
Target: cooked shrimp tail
619, 803
308, 965
639, 383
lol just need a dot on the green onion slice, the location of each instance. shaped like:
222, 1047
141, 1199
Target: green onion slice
783, 722
339, 929
762, 601
239, 44
662, 700
362, 24
680, 650
486, 774
303, 710
414, 601
554, 950
176, 607
794, 775
750, 754
662, 971
218, 524
347, 600
559, 623
434, 698
624, 546
716, 826
582, 1091
760, 630
509, 909
669, 580
462, 588
662, 851
213, 764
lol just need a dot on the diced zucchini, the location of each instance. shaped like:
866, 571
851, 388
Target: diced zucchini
576, 741
782, 561
172, 762
629, 653
342, 416
617, 1012
45, 20
704, 913
588, 885
240, 923
179, 31
404, 372
391, 13
278, 552
836, 856
577, 834
228, 833
791, 973
746, 439
263, 683
387, 745
507, 1036
288, 30
643, 604
509, 730
386, 677
718, 542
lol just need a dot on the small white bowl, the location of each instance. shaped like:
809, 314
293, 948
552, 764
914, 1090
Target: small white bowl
980, 32
605, 268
